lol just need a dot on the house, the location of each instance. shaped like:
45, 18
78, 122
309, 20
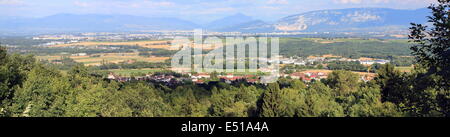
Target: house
229, 76
301, 76
371, 62
112, 76
56, 62
287, 61
308, 76
252, 81
80, 54
381, 61
297, 75
199, 82
201, 75
300, 63
268, 79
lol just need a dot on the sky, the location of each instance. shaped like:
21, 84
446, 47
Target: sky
198, 11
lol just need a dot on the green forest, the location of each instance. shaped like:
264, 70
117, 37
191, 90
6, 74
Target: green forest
29, 88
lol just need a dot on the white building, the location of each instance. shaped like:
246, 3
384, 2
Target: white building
371, 62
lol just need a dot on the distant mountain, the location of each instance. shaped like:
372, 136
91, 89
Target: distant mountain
229, 21
357, 19
254, 26
348, 20
340, 20
93, 23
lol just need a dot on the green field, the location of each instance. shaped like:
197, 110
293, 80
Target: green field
106, 57
404, 69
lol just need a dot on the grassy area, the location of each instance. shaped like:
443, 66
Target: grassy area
404, 69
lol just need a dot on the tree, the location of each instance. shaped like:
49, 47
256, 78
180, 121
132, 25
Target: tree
432, 48
321, 102
3, 55
269, 104
134, 100
368, 103
220, 100
13, 72
42, 94
432, 51
394, 86
298, 84
142, 100
238, 109
185, 103
343, 82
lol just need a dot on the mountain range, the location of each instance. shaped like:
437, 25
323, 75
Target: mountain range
362, 19
93, 23
339, 20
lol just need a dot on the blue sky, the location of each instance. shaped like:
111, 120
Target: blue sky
199, 11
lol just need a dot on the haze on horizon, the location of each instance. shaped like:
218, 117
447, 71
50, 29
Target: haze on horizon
198, 11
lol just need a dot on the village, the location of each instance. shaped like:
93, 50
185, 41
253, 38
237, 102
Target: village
202, 78
329, 58
307, 76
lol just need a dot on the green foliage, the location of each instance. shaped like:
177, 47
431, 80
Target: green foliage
403, 61
13, 71
351, 48
432, 48
234, 102
322, 102
269, 104
184, 103
42, 95
344, 65
343, 82
430, 86
367, 103
316, 101
66, 63
391, 82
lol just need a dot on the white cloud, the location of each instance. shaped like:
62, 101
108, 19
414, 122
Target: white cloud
11, 2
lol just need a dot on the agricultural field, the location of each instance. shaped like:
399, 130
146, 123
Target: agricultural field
144, 44
98, 59
404, 69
